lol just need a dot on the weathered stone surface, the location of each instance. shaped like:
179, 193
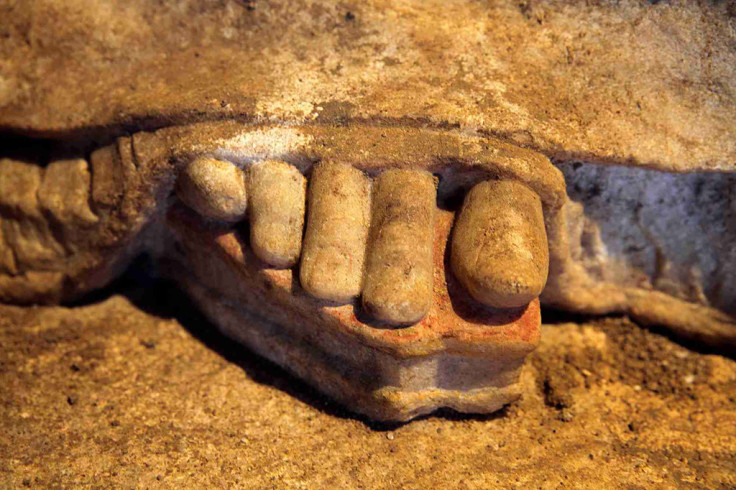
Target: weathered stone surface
64, 196
139, 391
499, 245
670, 232
26, 232
650, 83
397, 284
214, 188
626, 84
147, 166
629, 83
654, 245
66, 233
277, 200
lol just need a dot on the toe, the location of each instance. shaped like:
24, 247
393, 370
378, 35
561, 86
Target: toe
398, 279
277, 194
213, 188
337, 229
499, 244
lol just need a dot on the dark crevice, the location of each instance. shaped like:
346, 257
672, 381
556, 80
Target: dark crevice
133, 153
90, 197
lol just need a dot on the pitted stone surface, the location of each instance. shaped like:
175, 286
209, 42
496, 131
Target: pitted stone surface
648, 83
670, 232
137, 391
631, 83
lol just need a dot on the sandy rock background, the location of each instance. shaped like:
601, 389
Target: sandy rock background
650, 83
136, 389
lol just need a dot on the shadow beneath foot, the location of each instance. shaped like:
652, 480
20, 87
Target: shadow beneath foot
162, 298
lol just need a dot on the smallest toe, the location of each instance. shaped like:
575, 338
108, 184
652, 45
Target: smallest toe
213, 188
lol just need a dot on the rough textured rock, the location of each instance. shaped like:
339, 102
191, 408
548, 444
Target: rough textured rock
650, 83
657, 246
71, 226
499, 246
277, 200
446, 85
671, 232
146, 164
139, 391
625, 83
